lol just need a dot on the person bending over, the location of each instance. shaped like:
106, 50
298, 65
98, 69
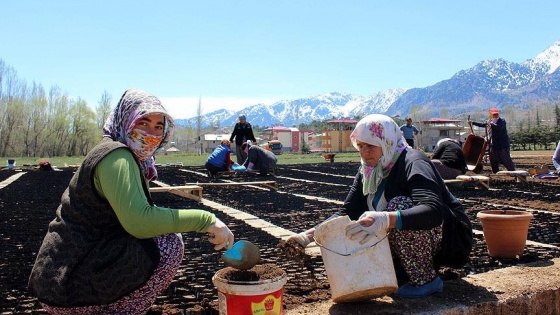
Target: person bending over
449, 159
398, 189
220, 160
259, 159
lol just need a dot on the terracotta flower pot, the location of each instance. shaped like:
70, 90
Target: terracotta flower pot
505, 231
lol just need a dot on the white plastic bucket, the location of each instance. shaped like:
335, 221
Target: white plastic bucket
11, 164
355, 272
250, 297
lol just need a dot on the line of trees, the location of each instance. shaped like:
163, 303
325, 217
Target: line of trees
37, 123
538, 133
540, 138
34, 123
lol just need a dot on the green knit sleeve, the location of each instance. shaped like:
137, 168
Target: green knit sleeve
117, 178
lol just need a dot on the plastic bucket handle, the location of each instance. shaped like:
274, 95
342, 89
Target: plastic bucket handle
356, 251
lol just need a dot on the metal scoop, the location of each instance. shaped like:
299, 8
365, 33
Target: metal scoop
242, 255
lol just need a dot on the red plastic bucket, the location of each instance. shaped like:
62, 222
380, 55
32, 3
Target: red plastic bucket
250, 297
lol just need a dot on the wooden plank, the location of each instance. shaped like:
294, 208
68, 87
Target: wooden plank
481, 181
188, 191
277, 231
453, 181
169, 188
520, 176
195, 195
271, 185
243, 216
234, 174
259, 224
11, 179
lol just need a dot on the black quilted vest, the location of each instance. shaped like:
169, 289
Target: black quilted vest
87, 258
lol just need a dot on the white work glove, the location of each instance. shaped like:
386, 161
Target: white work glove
220, 235
302, 238
368, 225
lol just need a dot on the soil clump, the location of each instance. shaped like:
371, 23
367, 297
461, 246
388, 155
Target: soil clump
258, 273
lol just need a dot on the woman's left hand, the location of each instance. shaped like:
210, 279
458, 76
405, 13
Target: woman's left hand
369, 225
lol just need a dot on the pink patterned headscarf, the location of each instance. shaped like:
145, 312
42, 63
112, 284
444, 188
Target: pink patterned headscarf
134, 105
382, 131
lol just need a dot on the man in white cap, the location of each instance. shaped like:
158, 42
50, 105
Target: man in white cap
499, 140
242, 132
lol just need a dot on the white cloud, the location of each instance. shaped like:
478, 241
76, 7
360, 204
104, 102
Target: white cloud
185, 107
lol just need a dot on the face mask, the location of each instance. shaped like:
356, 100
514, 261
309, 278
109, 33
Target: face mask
494, 120
143, 144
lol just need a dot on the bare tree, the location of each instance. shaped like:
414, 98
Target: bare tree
3, 71
37, 120
13, 119
103, 109
199, 125
83, 132
557, 115
59, 109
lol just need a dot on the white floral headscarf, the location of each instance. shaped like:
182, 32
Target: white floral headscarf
382, 131
133, 106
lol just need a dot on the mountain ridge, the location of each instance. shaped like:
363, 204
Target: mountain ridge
489, 83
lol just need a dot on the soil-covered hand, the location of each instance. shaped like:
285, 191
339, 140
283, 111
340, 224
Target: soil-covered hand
220, 235
293, 251
301, 238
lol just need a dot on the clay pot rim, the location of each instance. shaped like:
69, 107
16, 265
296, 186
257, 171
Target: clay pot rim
500, 215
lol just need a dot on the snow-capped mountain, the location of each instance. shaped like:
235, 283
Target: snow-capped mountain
490, 83
548, 61
305, 110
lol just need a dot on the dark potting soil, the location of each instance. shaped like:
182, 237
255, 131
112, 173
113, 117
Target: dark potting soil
258, 273
28, 205
4, 174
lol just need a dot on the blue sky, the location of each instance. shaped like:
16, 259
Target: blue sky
233, 54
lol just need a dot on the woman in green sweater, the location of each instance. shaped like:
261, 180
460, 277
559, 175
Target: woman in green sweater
110, 249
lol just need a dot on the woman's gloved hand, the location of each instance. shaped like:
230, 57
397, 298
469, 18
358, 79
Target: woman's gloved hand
220, 235
303, 238
368, 225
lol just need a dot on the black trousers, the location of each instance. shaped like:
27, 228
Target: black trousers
410, 142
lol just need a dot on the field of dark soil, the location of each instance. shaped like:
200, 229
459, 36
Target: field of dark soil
306, 195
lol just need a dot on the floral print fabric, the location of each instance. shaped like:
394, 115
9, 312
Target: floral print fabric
171, 249
381, 131
414, 248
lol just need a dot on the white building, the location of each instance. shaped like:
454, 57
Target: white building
210, 141
290, 137
434, 129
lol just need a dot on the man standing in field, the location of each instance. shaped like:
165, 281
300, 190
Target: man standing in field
242, 132
409, 131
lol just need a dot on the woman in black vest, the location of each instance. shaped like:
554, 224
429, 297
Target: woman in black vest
110, 249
